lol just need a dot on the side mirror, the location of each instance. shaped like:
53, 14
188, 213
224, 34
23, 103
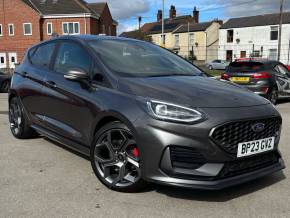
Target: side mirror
77, 75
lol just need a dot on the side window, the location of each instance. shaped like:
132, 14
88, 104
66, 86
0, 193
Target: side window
282, 70
41, 55
70, 56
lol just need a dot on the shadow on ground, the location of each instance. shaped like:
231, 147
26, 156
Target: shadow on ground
225, 194
201, 195
283, 101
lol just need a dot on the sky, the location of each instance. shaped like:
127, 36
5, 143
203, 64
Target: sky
127, 11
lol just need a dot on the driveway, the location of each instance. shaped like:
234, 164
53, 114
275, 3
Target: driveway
39, 178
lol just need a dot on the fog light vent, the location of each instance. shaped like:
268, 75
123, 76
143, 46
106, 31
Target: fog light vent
183, 157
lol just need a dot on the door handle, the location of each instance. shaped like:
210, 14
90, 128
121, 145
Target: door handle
51, 84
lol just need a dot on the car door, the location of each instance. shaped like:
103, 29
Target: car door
67, 109
31, 73
283, 79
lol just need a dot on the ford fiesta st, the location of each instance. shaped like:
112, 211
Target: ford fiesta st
143, 114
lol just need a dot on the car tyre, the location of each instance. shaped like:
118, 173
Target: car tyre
18, 120
210, 67
5, 86
273, 96
115, 158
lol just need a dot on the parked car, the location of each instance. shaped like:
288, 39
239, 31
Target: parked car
270, 79
143, 114
288, 67
4, 82
217, 65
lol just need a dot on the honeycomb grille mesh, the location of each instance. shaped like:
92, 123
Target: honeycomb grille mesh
183, 157
229, 135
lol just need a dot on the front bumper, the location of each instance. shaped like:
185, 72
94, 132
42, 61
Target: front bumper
155, 137
222, 183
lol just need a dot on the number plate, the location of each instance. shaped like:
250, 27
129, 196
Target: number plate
255, 147
240, 79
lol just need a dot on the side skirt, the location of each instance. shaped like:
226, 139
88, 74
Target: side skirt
64, 141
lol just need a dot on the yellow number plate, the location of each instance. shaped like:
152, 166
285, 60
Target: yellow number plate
240, 79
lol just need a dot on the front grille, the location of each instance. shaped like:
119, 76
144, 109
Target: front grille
189, 158
229, 135
248, 165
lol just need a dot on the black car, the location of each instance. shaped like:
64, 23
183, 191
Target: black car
270, 79
4, 82
143, 114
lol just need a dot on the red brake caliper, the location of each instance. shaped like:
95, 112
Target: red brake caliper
135, 152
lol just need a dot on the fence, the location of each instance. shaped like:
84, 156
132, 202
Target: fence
233, 52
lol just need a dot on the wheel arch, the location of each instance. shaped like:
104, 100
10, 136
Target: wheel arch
108, 117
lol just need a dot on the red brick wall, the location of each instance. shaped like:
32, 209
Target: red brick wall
85, 25
94, 26
16, 12
107, 20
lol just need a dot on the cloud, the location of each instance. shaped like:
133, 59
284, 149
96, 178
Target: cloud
124, 9
239, 8
125, 28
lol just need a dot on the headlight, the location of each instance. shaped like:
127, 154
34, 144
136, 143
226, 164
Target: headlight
172, 112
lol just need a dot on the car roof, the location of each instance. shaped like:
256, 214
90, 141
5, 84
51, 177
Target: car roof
85, 38
257, 60
93, 37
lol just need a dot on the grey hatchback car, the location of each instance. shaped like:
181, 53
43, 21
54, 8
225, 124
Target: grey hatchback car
143, 114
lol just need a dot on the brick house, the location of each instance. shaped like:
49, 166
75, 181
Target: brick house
26, 22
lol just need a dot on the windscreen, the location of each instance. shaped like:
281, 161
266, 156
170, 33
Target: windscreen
141, 59
245, 67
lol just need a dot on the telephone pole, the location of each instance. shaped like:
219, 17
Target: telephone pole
139, 22
163, 37
280, 29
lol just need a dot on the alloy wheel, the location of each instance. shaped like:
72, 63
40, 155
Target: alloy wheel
274, 96
116, 157
15, 116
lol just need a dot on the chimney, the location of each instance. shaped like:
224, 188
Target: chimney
159, 15
195, 15
172, 12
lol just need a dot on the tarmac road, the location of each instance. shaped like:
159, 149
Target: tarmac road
39, 178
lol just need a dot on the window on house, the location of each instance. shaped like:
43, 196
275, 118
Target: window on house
27, 29
176, 40
256, 54
71, 28
11, 29
49, 29
41, 55
2, 60
274, 33
230, 36
191, 39
1, 33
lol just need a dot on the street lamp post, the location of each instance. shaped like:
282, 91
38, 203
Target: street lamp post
163, 37
280, 29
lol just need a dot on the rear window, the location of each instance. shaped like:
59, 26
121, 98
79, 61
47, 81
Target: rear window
41, 55
245, 67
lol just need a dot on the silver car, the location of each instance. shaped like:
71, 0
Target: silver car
217, 65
